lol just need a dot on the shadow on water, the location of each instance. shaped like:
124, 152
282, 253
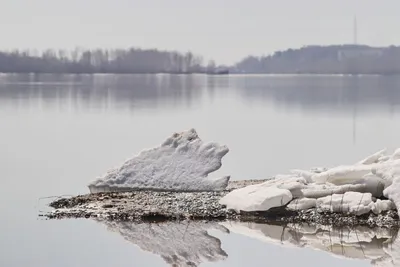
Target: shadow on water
189, 244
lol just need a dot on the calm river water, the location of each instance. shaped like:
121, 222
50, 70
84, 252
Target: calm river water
58, 132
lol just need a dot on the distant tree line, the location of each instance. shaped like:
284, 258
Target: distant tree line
335, 59
131, 60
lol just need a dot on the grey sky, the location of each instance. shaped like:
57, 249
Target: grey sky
221, 29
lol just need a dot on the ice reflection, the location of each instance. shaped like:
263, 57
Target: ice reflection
179, 244
380, 246
190, 244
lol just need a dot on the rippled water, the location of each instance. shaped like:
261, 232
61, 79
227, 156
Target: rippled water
58, 132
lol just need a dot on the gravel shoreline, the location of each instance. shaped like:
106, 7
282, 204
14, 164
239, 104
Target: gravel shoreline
152, 206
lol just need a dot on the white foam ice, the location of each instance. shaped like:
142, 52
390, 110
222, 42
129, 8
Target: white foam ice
181, 163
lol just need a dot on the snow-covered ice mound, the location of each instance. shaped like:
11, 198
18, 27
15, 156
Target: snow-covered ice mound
180, 163
179, 244
379, 246
353, 189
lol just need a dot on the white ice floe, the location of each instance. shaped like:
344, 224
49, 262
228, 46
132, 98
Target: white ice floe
256, 198
382, 205
374, 158
272, 193
349, 202
374, 245
392, 192
347, 188
302, 204
181, 163
322, 190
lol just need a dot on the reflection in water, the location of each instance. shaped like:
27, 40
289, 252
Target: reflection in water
337, 94
179, 244
380, 246
100, 91
189, 244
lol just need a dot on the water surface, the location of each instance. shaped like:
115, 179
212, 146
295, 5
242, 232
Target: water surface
58, 132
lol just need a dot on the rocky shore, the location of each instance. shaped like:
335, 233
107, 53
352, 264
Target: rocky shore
152, 206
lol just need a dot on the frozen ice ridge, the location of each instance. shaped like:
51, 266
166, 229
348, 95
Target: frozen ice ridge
181, 163
356, 189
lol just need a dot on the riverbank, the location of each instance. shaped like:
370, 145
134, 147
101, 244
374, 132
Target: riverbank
152, 206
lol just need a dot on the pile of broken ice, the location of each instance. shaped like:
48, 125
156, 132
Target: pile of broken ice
183, 161
372, 184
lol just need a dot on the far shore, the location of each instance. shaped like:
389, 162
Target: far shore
208, 74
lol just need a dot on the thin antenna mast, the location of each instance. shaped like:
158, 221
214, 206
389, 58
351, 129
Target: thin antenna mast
355, 30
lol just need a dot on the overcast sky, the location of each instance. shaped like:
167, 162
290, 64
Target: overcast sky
221, 29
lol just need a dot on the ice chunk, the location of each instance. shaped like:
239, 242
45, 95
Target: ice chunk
323, 190
348, 174
384, 158
346, 188
307, 175
181, 163
387, 171
349, 202
302, 204
260, 197
293, 183
275, 192
374, 158
393, 192
383, 205
288, 182
373, 184
342, 174
396, 154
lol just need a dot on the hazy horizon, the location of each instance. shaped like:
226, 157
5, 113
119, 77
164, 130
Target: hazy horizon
220, 30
